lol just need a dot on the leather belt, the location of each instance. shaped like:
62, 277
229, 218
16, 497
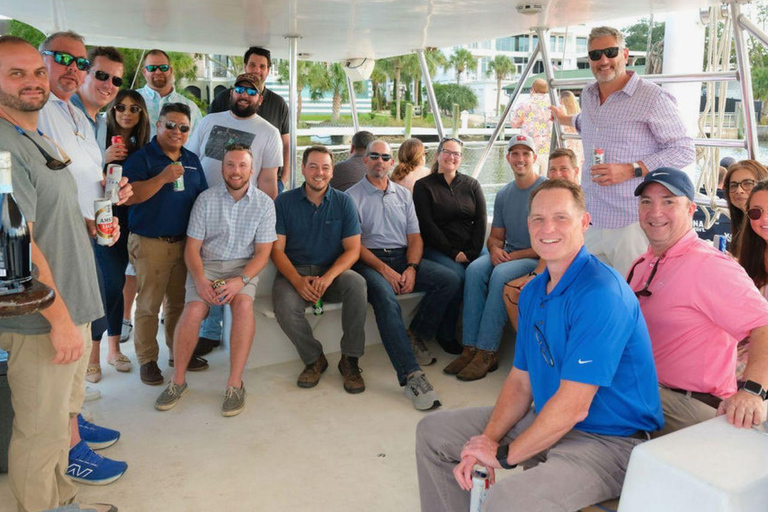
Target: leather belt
171, 239
707, 398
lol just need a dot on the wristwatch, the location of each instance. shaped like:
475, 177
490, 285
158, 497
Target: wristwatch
245, 278
638, 170
501, 455
754, 388
414, 265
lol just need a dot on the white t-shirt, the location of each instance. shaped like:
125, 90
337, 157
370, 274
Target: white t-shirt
68, 126
216, 131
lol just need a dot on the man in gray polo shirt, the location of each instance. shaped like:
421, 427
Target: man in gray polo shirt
229, 238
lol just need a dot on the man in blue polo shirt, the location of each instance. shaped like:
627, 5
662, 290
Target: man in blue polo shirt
318, 241
581, 394
158, 223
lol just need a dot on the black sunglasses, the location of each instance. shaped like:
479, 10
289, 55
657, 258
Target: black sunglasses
240, 89
65, 59
611, 53
645, 292
183, 128
755, 213
101, 76
134, 109
154, 67
384, 156
544, 346
53, 164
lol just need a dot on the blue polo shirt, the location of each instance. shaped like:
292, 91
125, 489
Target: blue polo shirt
167, 212
589, 329
313, 234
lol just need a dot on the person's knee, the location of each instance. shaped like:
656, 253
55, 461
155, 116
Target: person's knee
242, 306
355, 286
426, 431
196, 310
509, 495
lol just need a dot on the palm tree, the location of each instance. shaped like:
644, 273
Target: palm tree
461, 59
331, 78
393, 68
502, 66
411, 67
304, 69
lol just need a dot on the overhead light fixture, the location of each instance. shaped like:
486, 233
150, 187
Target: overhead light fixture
530, 9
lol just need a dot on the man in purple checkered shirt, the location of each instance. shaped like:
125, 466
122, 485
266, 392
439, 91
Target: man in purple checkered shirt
638, 126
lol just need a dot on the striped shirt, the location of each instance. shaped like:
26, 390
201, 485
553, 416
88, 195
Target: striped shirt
155, 102
229, 230
638, 123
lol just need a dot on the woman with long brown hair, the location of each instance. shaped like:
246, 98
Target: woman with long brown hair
411, 157
739, 181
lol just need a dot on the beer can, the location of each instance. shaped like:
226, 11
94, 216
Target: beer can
111, 189
117, 139
178, 183
598, 157
720, 242
480, 484
317, 307
103, 209
218, 283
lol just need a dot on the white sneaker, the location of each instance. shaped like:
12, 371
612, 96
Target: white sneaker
125, 330
419, 391
91, 394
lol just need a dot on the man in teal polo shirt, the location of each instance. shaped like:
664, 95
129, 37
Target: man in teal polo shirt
318, 241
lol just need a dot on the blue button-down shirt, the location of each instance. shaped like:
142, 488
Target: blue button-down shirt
313, 234
387, 217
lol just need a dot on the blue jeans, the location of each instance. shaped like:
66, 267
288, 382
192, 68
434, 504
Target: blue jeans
447, 329
484, 299
211, 326
439, 283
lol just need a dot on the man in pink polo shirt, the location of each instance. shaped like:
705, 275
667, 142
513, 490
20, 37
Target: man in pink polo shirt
698, 303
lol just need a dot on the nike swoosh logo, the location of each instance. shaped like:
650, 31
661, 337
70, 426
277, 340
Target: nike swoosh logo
585, 362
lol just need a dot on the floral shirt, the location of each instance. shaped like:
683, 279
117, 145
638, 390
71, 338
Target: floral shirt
535, 120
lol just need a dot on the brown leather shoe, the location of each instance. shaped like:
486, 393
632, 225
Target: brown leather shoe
311, 374
460, 362
353, 380
484, 361
151, 374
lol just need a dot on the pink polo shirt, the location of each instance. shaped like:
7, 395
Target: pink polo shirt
702, 303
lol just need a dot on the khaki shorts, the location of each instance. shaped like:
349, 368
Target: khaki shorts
221, 270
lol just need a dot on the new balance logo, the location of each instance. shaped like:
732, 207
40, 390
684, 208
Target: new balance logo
77, 471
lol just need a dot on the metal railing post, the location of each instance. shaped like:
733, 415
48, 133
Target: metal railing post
353, 103
745, 81
550, 73
430, 93
293, 102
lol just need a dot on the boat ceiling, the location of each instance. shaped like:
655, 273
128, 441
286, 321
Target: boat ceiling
329, 30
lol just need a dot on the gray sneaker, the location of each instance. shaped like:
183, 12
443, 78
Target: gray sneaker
170, 396
423, 356
419, 391
234, 401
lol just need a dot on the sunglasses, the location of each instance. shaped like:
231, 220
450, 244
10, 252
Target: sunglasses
544, 346
240, 89
101, 76
52, 163
755, 213
746, 185
134, 109
645, 292
384, 156
611, 53
65, 59
170, 125
154, 67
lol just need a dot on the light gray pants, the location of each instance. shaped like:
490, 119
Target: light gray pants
579, 470
348, 288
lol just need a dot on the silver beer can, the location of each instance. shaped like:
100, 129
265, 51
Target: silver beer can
480, 484
111, 189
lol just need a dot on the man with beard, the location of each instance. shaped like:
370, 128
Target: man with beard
47, 363
158, 73
229, 238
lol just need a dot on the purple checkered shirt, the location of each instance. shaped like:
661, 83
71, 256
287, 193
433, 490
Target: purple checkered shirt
638, 123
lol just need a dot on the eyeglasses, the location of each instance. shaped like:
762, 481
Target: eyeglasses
544, 346
448, 152
65, 59
384, 156
645, 292
240, 89
611, 53
746, 185
170, 125
755, 213
134, 109
154, 67
101, 76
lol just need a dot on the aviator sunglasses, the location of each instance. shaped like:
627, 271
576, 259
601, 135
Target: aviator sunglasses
611, 53
170, 125
101, 76
384, 156
154, 67
134, 109
65, 59
240, 89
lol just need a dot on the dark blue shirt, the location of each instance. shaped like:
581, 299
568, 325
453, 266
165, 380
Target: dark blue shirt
167, 212
589, 329
313, 234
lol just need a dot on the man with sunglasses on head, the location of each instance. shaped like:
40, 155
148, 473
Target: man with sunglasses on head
166, 178
160, 90
580, 396
638, 126
698, 303
48, 350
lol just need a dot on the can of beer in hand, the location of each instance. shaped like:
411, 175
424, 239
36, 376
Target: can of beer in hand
218, 283
720, 242
178, 183
317, 307
117, 139
103, 217
480, 484
598, 157
112, 188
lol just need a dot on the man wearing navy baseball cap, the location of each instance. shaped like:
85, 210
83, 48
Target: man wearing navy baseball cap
694, 330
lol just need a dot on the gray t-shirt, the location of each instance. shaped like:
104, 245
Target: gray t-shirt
510, 211
48, 200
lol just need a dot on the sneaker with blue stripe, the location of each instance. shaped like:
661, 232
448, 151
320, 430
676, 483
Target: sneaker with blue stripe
86, 467
97, 437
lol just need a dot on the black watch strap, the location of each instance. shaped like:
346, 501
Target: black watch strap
415, 266
501, 455
755, 388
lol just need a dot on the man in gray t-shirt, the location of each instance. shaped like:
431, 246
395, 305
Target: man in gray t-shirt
351, 170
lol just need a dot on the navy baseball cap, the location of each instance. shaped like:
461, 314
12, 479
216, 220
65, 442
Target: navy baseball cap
675, 180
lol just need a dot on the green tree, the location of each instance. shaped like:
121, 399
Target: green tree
393, 68
461, 59
448, 94
331, 78
378, 78
303, 72
636, 36
411, 68
502, 67
27, 32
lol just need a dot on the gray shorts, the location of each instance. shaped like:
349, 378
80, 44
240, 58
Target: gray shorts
221, 270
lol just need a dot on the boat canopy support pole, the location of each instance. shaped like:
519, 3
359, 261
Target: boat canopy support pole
745, 80
293, 103
543, 33
353, 103
510, 103
753, 29
430, 93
